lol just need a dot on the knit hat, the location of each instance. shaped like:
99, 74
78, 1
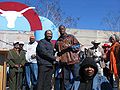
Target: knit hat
88, 61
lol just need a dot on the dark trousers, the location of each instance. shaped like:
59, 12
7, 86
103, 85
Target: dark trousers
15, 79
44, 77
71, 74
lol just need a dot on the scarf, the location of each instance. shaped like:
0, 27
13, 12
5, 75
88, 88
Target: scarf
113, 66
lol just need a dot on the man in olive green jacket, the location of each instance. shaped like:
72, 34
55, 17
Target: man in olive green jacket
16, 61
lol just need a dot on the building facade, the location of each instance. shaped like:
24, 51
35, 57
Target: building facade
84, 36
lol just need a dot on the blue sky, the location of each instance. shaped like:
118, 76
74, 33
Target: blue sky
91, 12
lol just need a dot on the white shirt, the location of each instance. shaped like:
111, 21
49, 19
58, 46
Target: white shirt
97, 53
31, 49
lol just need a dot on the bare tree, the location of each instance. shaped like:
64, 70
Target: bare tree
51, 9
112, 21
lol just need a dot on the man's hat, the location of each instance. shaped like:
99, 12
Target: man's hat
15, 42
95, 42
21, 42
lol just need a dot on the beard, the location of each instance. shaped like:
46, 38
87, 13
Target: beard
48, 38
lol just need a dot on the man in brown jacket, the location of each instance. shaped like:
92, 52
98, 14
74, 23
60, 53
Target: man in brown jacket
68, 48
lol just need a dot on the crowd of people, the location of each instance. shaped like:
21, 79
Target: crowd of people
64, 66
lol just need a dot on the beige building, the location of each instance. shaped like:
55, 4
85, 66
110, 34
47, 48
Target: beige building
8, 37
84, 36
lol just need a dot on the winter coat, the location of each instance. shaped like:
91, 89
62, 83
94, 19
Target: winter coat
45, 53
98, 82
68, 47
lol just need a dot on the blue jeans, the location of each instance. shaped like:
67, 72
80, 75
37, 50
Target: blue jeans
31, 74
